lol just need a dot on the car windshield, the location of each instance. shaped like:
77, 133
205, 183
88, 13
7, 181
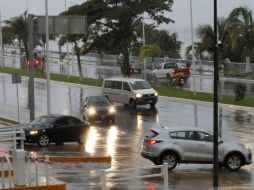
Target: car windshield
137, 85
43, 121
100, 101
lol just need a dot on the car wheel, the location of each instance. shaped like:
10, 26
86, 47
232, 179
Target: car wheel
82, 139
132, 103
169, 158
234, 162
44, 140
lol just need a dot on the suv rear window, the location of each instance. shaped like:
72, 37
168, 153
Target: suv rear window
151, 134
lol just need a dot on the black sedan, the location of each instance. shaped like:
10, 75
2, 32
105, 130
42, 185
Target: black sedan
98, 108
55, 128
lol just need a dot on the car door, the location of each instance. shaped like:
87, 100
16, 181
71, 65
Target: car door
184, 145
204, 146
126, 93
61, 129
76, 128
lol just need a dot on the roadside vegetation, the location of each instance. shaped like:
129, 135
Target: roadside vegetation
163, 91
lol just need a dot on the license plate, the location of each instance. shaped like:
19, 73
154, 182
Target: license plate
103, 116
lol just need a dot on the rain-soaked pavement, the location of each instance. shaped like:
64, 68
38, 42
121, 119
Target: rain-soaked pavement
123, 139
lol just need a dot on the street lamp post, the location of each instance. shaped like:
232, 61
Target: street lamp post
215, 101
47, 58
67, 46
144, 43
1, 42
192, 50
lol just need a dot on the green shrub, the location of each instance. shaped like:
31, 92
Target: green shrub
239, 92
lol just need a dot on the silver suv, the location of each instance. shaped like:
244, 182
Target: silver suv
192, 145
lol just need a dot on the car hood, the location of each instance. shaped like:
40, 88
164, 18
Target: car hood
26, 127
145, 91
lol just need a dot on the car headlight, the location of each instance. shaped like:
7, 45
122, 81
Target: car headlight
156, 94
112, 109
138, 95
91, 111
33, 132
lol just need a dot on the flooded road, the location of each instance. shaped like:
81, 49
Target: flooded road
123, 139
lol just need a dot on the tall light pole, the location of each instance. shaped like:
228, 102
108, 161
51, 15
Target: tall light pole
67, 46
192, 50
215, 100
47, 57
1, 42
144, 43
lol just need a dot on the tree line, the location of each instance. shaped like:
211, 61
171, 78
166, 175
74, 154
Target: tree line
116, 27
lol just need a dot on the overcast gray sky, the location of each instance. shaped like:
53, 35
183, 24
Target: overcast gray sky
202, 12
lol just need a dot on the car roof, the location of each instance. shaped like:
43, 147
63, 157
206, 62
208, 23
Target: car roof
124, 79
171, 129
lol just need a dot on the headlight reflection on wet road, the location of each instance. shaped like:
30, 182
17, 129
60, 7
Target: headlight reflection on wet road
91, 140
111, 139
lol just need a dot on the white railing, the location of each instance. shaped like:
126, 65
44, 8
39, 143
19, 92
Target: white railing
5, 157
132, 174
21, 162
36, 160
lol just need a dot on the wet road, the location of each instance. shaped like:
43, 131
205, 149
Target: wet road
92, 69
123, 139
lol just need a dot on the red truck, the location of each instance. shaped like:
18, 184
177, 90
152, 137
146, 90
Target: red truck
169, 70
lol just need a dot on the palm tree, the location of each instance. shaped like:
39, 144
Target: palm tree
205, 33
241, 26
150, 51
19, 26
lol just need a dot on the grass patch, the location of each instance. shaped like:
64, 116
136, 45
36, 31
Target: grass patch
163, 91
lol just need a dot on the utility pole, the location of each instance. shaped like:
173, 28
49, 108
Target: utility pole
1, 42
144, 43
67, 46
192, 50
215, 101
31, 68
47, 57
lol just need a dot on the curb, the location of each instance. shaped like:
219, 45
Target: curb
63, 159
61, 186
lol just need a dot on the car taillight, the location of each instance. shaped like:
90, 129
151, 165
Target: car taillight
151, 141
190, 70
36, 62
174, 71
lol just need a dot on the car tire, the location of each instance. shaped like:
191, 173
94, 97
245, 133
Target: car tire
43, 140
82, 139
169, 158
234, 162
132, 103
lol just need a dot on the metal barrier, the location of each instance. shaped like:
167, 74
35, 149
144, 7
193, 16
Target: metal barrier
163, 173
36, 160
19, 160
3, 157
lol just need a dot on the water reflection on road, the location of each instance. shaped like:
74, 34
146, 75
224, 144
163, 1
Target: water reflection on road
123, 139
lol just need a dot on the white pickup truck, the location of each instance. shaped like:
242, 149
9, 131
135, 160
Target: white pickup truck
169, 69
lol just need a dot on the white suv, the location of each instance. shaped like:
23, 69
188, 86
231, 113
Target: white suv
192, 145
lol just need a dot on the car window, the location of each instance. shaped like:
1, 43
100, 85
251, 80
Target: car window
74, 121
98, 101
178, 135
43, 121
126, 86
137, 85
206, 137
151, 134
62, 121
